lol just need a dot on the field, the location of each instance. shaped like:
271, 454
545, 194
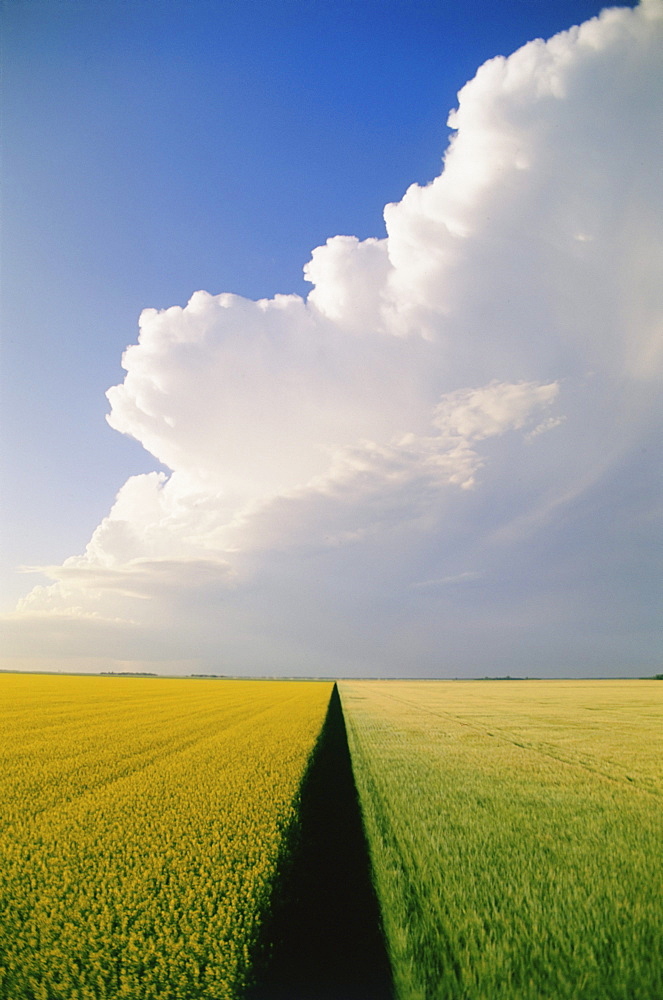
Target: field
432, 840
142, 821
515, 832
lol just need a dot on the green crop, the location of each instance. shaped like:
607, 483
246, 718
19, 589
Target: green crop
516, 833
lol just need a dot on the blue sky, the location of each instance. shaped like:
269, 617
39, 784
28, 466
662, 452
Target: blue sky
152, 150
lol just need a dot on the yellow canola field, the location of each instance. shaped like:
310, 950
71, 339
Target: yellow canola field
141, 825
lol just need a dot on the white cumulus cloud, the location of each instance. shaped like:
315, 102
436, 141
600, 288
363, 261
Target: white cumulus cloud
329, 454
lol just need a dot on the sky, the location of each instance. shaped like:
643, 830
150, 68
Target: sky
332, 337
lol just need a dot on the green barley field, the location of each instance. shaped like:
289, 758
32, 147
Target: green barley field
516, 835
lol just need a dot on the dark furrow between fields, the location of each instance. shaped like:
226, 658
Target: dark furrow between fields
323, 940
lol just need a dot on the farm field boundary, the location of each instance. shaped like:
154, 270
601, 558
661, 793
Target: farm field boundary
324, 938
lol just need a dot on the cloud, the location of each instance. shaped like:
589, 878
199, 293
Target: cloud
340, 463
491, 410
467, 577
137, 578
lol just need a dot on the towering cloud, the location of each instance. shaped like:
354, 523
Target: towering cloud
443, 459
